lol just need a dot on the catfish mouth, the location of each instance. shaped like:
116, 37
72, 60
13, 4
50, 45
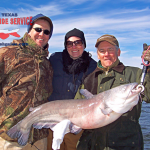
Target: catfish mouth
138, 88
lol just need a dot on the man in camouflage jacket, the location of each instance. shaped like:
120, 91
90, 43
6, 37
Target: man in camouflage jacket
25, 80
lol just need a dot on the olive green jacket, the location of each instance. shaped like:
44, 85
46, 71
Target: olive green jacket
125, 131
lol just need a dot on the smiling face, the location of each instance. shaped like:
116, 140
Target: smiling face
107, 53
75, 51
40, 38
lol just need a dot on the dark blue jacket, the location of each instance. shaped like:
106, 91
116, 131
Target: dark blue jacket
63, 86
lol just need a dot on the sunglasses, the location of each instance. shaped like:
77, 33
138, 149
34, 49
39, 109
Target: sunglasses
47, 32
109, 50
77, 43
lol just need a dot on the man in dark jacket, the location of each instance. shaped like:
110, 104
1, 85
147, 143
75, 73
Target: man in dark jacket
124, 133
70, 68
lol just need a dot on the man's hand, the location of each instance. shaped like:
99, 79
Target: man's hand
146, 53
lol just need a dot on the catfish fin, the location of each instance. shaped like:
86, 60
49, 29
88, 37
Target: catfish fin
86, 93
23, 139
41, 125
15, 132
31, 109
105, 109
74, 129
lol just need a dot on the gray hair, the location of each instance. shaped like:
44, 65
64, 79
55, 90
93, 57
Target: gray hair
116, 47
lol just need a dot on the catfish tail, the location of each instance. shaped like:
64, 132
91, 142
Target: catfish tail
16, 132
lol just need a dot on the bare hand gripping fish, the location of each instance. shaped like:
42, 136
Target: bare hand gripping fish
64, 116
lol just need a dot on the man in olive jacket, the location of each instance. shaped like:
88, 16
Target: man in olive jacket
124, 133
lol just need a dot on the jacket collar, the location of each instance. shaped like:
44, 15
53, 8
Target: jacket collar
117, 66
30, 46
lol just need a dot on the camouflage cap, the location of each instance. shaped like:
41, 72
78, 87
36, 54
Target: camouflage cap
109, 38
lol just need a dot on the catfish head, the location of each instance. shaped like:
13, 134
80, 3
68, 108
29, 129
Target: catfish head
120, 99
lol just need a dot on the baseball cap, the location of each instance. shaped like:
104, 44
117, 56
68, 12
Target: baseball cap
40, 16
109, 38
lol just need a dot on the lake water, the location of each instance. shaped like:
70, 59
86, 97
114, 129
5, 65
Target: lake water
145, 124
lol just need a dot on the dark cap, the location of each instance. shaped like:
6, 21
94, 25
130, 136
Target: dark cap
75, 32
109, 38
40, 16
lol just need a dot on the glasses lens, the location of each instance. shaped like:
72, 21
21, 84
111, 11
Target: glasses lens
69, 44
38, 29
109, 50
47, 32
77, 43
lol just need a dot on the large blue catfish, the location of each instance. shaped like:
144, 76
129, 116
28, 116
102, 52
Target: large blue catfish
64, 116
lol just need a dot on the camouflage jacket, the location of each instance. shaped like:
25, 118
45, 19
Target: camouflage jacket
25, 81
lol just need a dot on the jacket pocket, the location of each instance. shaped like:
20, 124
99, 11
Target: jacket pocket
123, 139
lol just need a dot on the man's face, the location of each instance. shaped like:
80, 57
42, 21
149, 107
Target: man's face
107, 53
40, 38
76, 50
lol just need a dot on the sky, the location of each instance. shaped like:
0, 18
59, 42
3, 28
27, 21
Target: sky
127, 20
